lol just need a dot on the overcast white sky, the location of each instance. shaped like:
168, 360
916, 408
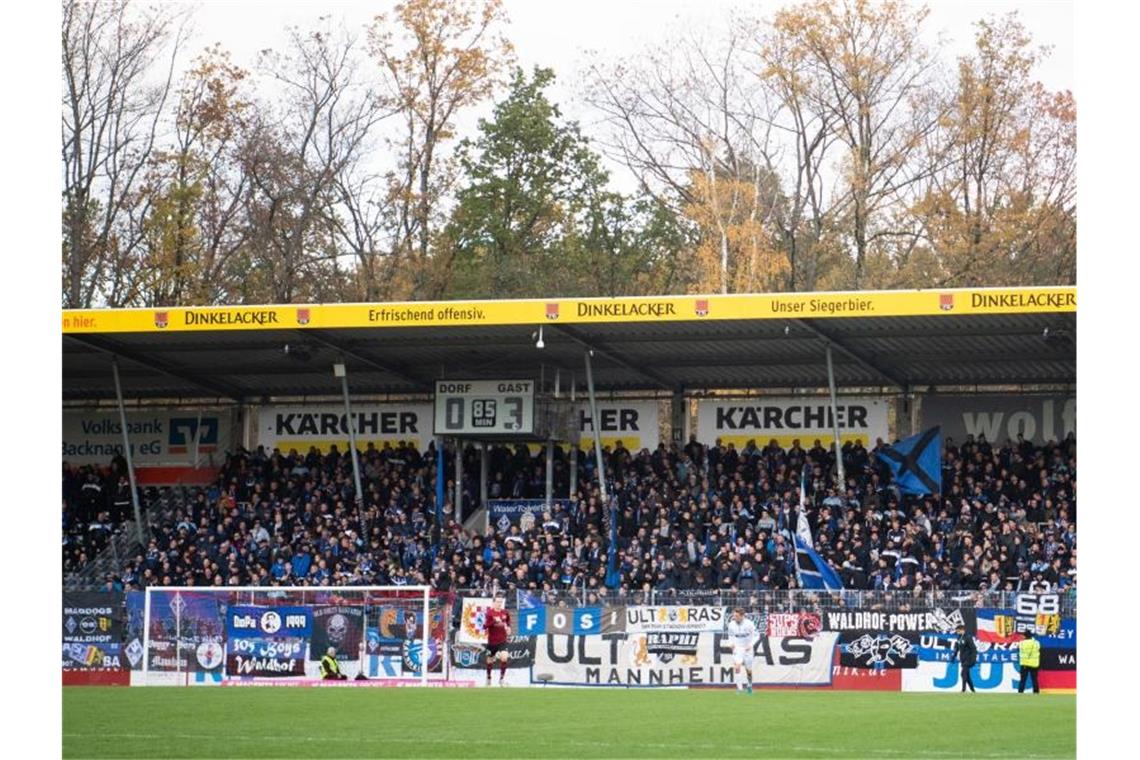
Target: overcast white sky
557, 34
554, 33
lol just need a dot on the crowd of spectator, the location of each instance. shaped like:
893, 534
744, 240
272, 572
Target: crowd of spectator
688, 517
96, 502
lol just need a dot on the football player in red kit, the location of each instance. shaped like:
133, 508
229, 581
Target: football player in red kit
497, 624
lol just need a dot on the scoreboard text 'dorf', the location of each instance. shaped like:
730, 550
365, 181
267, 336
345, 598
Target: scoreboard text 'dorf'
484, 407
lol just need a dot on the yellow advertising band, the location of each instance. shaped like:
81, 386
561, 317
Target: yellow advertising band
893, 303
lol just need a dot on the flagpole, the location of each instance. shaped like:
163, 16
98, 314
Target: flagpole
835, 427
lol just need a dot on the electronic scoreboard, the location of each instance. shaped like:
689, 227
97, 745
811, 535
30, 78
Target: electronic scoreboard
484, 407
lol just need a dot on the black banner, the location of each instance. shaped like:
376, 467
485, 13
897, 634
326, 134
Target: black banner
937, 620
1058, 659
92, 618
337, 626
672, 643
878, 649
520, 654
92, 631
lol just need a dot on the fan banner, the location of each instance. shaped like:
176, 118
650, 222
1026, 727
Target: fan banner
340, 626
626, 660
674, 619
471, 620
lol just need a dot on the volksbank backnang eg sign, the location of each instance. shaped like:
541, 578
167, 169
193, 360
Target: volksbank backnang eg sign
162, 437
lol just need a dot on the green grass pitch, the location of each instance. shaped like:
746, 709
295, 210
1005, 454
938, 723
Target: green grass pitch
570, 723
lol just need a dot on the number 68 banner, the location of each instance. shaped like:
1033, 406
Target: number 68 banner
1038, 604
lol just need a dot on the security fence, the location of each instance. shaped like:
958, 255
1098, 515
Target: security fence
839, 639
782, 600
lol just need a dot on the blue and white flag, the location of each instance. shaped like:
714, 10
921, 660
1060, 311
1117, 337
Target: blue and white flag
916, 462
527, 600
803, 528
812, 571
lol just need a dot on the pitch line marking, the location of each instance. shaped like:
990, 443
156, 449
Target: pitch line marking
571, 742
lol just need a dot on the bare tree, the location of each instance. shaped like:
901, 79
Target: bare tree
194, 190
114, 93
364, 225
802, 159
296, 158
865, 73
697, 133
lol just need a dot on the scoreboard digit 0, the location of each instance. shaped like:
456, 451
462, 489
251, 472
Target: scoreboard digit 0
471, 407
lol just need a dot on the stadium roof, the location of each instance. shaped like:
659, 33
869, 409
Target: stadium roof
903, 339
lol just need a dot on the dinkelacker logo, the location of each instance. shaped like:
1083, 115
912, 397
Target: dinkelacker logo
302, 316
161, 319
552, 311
1047, 299
946, 301
702, 307
231, 317
622, 309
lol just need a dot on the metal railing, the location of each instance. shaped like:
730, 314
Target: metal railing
783, 600
158, 505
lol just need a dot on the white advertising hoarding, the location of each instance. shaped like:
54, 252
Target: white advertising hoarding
633, 423
321, 425
625, 659
787, 418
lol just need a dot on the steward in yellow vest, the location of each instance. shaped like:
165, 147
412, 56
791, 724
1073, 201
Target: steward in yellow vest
1029, 657
330, 668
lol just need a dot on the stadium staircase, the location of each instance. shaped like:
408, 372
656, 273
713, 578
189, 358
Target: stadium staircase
158, 504
476, 522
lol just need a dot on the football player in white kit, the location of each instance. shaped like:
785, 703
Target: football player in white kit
743, 635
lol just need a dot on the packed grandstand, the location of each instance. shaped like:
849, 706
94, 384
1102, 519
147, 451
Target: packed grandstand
689, 518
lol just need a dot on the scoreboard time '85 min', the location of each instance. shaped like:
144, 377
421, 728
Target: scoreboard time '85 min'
488, 407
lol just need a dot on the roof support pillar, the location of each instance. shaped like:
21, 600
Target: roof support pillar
459, 480
574, 444
549, 473
127, 451
835, 427
610, 507
340, 371
439, 486
484, 469
597, 433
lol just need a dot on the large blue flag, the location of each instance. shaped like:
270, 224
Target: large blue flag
916, 462
813, 571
